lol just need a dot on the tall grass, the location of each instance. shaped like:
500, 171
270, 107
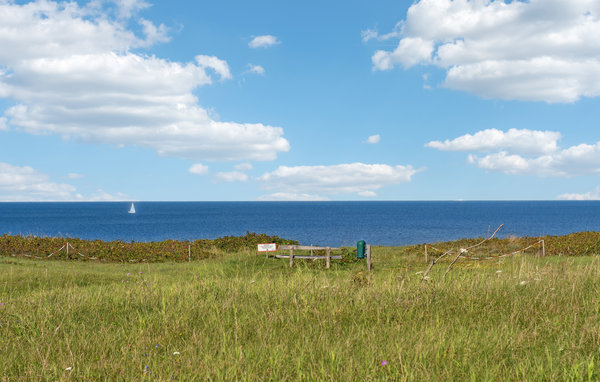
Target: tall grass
245, 317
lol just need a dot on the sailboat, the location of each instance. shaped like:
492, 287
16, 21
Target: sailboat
132, 209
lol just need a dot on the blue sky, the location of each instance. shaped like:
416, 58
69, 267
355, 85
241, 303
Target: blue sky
265, 100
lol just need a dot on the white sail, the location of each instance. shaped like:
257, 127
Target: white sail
132, 209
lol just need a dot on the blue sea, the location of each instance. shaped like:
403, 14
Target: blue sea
317, 223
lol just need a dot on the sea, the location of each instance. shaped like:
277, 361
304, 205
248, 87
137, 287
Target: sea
332, 223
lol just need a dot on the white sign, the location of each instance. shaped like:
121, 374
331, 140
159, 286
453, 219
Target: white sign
267, 247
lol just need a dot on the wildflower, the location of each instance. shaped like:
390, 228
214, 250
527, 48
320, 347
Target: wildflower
128, 274
69, 368
141, 273
384, 362
1, 304
145, 368
122, 281
176, 353
156, 345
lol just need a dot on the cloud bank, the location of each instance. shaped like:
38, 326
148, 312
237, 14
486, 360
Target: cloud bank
72, 71
525, 152
24, 183
592, 195
514, 140
352, 178
537, 50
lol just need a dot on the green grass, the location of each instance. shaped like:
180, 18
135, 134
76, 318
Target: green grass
245, 317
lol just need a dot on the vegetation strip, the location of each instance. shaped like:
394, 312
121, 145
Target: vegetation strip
52, 248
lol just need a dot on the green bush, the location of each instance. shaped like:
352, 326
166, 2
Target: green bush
121, 251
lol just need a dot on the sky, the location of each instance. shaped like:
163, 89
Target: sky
142, 100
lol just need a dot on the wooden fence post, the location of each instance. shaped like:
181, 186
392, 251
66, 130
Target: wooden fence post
368, 257
291, 257
426, 255
328, 257
189, 252
543, 248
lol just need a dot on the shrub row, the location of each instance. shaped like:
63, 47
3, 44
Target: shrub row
575, 244
121, 251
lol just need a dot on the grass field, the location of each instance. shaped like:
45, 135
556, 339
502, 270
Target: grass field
244, 317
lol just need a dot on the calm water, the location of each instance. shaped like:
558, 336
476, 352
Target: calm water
319, 223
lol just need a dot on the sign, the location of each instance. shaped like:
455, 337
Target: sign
267, 247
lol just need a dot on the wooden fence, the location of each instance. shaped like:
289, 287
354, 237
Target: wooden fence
311, 248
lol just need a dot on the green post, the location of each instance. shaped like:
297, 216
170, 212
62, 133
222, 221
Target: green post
360, 249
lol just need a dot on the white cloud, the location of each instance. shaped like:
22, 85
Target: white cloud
74, 175
373, 34
367, 194
577, 160
198, 169
264, 41
102, 196
368, 34
374, 139
232, 176
3, 125
537, 50
212, 62
71, 72
127, 8
592, 195
26, 184
287, 196
243, 166
410, 51
154, 34
526, 152
335, 179
256, 69
523, 141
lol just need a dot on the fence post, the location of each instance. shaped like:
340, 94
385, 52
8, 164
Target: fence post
368, 257
426, 255
543, 248
189, 252
328, 257
291, 257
